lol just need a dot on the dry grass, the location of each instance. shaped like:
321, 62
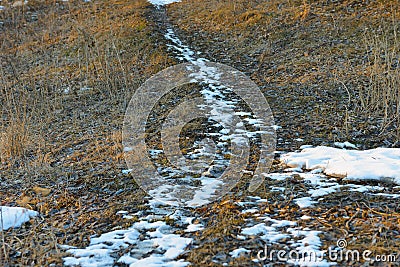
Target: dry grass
68, 70
326, 79
64, 49
307, 57
381, 97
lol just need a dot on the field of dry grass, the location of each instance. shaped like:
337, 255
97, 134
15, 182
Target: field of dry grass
68, 69
317, 62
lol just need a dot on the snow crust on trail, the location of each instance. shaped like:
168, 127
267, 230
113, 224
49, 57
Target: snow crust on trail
220, 104
150, 241
14, 216
272, 231
319, 185
380, 164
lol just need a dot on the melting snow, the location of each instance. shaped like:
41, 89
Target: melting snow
154, 243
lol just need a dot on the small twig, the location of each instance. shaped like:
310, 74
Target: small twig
324, 223
347, 90
351, 218
382, 213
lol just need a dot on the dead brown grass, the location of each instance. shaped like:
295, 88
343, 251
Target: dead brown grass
65, 47
317, 63
381, 96
68, 70
309, 57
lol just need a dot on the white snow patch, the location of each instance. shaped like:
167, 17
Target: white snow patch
305, 217
345, 145
267, 233
239, 252
193, 227
381, 164
365, 188
304, 202
14, 216
160, 248
252, 210
162, 2
387, 195
308, 245
126, 171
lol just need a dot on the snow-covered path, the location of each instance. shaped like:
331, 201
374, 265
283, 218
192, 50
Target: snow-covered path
151, 241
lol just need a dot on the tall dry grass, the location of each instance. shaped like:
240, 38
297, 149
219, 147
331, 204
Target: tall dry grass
381, 96
52, 53
67, 72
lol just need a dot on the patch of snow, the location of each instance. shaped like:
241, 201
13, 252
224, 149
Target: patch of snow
123, 212
252, 210
126, 171
345, 145
239, 252
304, 202
193, 227
380, 164
387, 195
151, 243
281, 223
267, 233
365, 188
309, 245
277, 189
11, 217
305, 217
241, 237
